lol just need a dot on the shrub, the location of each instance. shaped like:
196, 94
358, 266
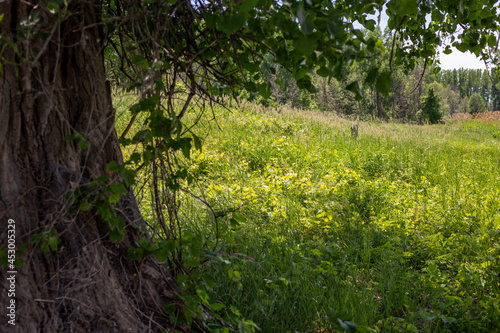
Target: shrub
476, 104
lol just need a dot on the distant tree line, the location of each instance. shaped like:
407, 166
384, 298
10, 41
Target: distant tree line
448, 91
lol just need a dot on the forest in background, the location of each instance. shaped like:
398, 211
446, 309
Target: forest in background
454, 88
455, 91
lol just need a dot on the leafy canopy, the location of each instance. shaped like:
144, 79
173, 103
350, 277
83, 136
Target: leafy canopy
219, 46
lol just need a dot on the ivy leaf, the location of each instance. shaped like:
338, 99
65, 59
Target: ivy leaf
116, 236
118, 188
114, 198
383, 84
231, 23
85, 206
53, 241
83, 145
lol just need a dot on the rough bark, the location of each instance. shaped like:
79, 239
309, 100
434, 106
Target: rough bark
88, 284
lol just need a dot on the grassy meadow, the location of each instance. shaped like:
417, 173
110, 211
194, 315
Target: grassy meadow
397, 231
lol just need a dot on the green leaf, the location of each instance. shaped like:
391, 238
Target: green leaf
306, 83
324, 71
197, 142
35, 237
247, 5
52, 7
372, 75
432, 269
135, 253
354, 87
210, 20
116, 236
265, 90
383, 84
19, 263
239, 217
492, 41
79, 135
118, 188
203, 296
348, 326
234, 224
231, 23
161, 254
403, 7
114, 198
140, 61
300, 73
135, 158
83, 144
146, 104
185, 145
305, 24
53, 241
335, 25
114, 166
370, 25
306, 45
217, 306
85, 206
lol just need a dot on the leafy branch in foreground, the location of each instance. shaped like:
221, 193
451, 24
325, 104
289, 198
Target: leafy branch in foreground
183, 56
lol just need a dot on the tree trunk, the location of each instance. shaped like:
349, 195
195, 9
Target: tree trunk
88, 284
379, 106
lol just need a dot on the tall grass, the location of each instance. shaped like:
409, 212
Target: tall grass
398, 231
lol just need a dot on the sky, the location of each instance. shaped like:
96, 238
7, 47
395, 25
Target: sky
456, 59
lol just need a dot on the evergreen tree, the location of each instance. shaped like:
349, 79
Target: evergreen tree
431, 108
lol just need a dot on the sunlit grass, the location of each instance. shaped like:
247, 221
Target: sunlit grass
398, 231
